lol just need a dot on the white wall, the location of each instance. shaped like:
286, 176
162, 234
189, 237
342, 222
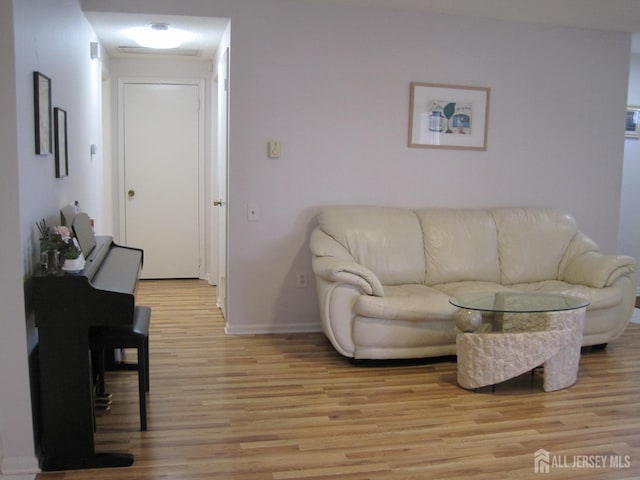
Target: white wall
76, 87
337, 98
629, 239
16, 435
332, 84
32, 41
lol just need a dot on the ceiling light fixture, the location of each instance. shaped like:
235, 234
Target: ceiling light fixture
159, 35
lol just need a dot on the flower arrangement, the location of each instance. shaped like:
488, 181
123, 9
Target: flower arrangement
58, 238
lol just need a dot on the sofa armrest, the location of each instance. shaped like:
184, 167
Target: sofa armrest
333, 269
598, 270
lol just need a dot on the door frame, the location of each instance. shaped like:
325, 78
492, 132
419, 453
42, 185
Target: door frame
221, 172
199, 82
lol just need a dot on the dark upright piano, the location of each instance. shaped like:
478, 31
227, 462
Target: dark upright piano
66, 306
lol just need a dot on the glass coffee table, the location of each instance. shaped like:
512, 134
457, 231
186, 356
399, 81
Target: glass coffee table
519, 331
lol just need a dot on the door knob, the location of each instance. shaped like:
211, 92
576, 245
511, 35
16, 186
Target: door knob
131, 193
217, 203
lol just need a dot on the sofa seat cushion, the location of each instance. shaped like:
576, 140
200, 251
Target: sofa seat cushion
598, 298
407, 302
453, 289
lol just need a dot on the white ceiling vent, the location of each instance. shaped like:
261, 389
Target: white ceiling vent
182, 52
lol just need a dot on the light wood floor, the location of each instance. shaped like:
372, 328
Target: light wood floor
289, 407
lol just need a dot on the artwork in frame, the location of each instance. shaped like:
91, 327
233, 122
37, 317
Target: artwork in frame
632, 124
60, 133
42, 107
448, 116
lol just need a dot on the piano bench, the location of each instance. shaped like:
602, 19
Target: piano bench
102, 339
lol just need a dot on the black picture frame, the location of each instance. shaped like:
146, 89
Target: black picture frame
42, 111
61, 151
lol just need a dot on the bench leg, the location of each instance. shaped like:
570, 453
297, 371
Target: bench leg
142, 387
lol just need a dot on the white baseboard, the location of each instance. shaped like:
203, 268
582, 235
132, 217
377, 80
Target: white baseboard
19, 468
268, 329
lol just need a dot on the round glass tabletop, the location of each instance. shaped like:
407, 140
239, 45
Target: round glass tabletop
517, 302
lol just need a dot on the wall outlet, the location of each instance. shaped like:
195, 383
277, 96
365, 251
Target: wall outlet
253, 214
301, 279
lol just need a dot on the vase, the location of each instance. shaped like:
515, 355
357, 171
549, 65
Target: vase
73, 265
53, 260
48, 256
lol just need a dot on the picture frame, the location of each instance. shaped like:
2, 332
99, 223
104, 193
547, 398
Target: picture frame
42, 110
448, 116
60, 135
632, 122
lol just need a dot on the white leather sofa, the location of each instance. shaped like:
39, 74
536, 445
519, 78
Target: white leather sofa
384, 276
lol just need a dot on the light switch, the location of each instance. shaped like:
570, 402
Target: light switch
274, 149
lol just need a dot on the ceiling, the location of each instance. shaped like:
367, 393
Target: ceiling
617, 15
620, 15
111, 28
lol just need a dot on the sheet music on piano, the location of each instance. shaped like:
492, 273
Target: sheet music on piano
84, 233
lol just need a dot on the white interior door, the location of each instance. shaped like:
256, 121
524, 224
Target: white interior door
161, 149
223, 158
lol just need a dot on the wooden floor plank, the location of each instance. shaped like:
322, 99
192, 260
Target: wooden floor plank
287, 406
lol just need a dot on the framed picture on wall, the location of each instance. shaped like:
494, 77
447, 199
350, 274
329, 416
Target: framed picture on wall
42, 107
632, 124
60, 134
448, 116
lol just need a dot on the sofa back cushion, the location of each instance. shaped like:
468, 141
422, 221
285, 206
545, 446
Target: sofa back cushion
388, 241
532, 242
460, 245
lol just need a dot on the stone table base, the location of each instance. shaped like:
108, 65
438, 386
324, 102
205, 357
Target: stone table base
488, 358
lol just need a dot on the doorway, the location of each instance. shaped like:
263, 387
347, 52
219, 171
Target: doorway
223, 159
162, 164
196, 58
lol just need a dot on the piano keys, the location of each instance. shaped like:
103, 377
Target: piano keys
66, 307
